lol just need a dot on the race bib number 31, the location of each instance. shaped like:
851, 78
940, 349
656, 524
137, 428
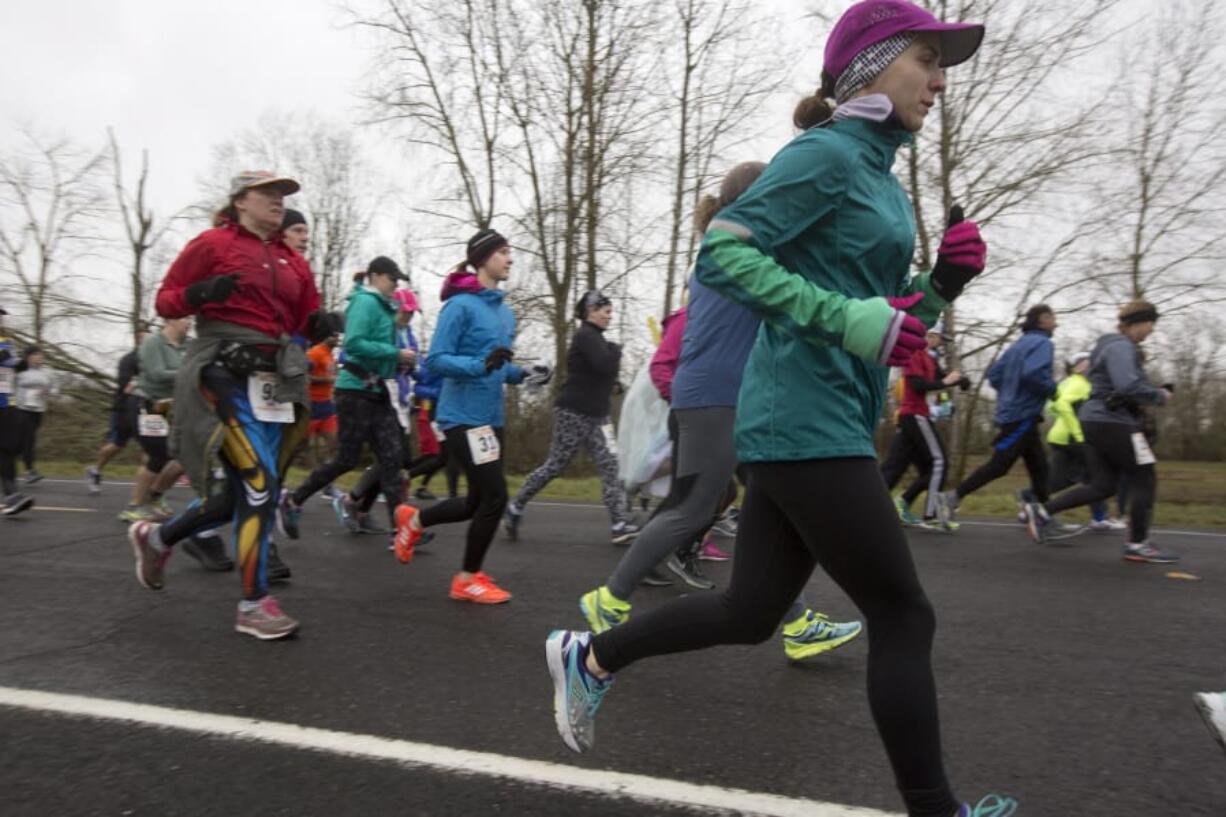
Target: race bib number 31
261, 391
483, 444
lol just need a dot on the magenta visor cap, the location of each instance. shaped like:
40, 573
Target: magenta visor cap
872, 21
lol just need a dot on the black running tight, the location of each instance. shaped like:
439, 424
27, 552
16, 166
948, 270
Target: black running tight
484, 504
795, 516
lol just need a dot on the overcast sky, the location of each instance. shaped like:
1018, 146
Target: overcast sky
180, 77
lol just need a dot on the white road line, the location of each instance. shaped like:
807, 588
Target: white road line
69, 510
457, 761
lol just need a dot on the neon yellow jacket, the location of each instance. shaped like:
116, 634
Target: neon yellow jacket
1070, 394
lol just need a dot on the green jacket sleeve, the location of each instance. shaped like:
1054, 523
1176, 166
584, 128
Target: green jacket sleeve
805, 182
361, 326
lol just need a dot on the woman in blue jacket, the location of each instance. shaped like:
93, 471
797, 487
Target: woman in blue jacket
471, 351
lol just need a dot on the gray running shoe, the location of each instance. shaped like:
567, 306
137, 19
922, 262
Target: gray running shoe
15, 504
623, 533
266, 622
947, 506
657, 578
32, 476
510, 522
687, 571
94, 478
210, 552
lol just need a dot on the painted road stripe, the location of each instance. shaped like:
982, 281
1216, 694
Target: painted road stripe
38, 507
442, 758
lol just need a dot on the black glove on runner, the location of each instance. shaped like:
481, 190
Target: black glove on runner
212, 290
497, 359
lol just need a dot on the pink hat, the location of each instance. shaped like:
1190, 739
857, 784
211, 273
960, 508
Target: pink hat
406, 299
872, 21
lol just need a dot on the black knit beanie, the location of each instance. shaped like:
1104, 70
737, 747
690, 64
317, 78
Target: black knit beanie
482, 245
291, 218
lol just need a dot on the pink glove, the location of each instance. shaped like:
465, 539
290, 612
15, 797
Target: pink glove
960, 258
905, 333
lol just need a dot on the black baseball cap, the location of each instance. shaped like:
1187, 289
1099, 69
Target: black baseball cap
386, 266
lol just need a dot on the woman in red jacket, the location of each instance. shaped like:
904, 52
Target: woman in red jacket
241, 393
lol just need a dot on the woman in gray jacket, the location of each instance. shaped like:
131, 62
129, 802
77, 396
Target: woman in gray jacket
1117, 441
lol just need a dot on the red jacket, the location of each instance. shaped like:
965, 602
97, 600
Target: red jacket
276, 290
921, 370
668, 355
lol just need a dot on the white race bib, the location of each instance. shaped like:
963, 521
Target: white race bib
393, 394
483, 445
610, 438
261, 391
7, 376
1140, 447
152, 425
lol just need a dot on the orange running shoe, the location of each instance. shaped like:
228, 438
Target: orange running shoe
480, 589
407, 533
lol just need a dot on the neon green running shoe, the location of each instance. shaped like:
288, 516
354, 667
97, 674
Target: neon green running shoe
813, 634
904, 513
603, 610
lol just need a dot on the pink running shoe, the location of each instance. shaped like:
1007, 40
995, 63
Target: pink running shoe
712, 553
150, 561
266, 622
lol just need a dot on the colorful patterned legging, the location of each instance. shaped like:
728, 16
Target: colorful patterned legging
570, 431
254, 454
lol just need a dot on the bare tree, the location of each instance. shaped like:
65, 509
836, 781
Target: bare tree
714, 91
50, 204
141, 230
1160, 231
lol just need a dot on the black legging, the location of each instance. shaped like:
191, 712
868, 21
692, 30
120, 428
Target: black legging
1020, 439
32, 420
836, 513
918, 443
427, 466
1111, 455
363, 417
11, 438
484, 504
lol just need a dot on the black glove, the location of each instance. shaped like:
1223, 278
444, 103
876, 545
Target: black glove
963, 383
960, 257
1169, 387
212, 290
5, 354
498, 358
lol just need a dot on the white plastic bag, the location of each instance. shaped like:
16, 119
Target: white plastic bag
642, 436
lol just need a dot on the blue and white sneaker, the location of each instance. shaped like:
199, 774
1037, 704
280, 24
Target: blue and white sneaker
993, 805
576, 692
288, 515
344, 514
813, 634
1037, 520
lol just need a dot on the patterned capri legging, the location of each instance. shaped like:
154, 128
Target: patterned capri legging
570, 431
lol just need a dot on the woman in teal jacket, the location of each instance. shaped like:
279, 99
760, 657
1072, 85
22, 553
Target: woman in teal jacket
471, 351
820, 247
365, 402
